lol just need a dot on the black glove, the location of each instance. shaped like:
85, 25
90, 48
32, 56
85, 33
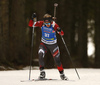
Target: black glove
33, 16
59, 29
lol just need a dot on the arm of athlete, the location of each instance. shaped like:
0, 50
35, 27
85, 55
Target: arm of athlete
58, 29
34, 22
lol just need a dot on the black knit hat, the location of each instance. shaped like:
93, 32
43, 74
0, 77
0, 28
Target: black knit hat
47, 18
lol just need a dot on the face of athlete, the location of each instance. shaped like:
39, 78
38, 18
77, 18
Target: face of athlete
47, 24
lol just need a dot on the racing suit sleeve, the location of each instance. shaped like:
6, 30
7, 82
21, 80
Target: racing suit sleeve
58, 29
36, 24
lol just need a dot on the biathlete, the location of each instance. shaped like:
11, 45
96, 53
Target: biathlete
48, 42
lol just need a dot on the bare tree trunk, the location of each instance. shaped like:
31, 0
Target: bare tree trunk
1, 33
66, 18
17, 32
70, 27
97, 34
4, 29
82, 33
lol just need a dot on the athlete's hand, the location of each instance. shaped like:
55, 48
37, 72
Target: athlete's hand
33, 16
61, 33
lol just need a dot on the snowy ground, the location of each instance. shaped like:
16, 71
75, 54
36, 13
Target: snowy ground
88, 77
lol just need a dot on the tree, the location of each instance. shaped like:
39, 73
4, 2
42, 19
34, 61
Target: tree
82, 32
4, 29
18, 32
66, 20
1, 33
97, 33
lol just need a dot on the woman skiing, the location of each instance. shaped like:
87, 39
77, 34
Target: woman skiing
48, 42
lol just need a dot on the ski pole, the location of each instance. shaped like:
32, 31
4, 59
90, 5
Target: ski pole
32, 46
70, 56
31, 53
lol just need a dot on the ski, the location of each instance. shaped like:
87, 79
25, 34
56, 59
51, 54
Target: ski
45, 79
26, 80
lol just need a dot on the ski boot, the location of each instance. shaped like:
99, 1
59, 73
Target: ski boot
42, 75
63, 77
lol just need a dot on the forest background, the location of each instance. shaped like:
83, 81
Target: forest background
79, 19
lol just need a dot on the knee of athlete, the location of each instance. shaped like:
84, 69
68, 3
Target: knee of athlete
41, 53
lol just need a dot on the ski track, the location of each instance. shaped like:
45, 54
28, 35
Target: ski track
14, 77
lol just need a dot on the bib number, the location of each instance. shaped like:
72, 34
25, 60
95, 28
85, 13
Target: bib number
46, 35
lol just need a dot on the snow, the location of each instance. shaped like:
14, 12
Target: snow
14, 77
